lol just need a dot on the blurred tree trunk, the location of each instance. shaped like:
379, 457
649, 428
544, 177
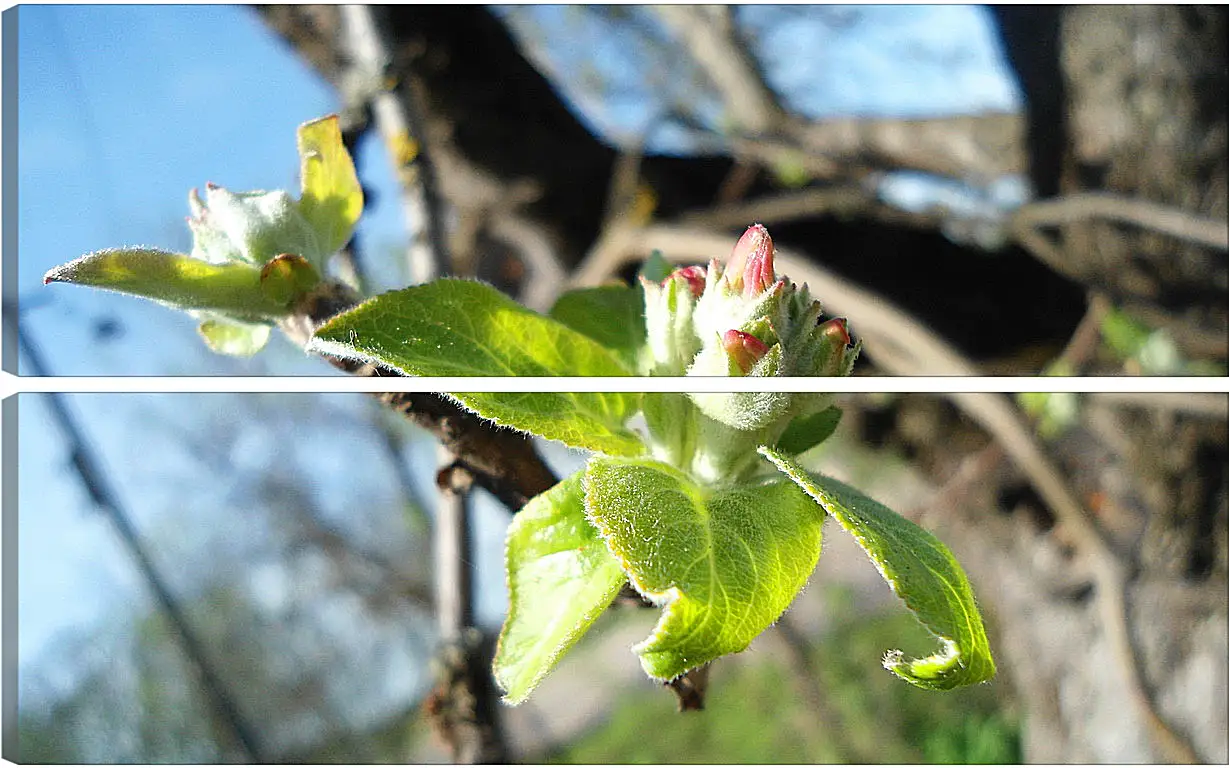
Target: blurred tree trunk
1126, 99
1131, 100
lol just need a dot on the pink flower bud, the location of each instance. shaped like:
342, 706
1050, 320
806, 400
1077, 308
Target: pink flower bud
694, 277
836, 330
750, 269
743, 348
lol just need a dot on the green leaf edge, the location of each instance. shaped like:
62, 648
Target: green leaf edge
946, 669
320, 343
587, 618
237, 291
630, 443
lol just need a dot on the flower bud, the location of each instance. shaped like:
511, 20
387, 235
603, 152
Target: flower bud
739, 320
831, 344
250, 226
209, 243
694, 276
750, 269
668, 309
743, 349
836, 330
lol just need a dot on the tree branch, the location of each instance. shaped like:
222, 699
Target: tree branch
371, 79
1141, 213
837, 200
707, 31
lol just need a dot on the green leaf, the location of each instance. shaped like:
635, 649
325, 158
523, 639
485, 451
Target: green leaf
560, 579
237, 339
332, 198
589, 420
455, 327
656, 268
465, 328
611, 315
176, 280
726, 563
806, 432
921, 571
672, 421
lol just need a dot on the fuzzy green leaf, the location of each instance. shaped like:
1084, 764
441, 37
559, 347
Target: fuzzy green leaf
332, 199
725, 563
560, 579
236, 339
589, 420
806, 432
176, 280
465, 328
611, 315
921, 571
455, 327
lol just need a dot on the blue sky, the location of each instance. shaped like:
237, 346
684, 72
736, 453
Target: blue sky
123, 109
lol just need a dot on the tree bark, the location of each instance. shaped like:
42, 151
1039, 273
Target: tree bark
1131, 100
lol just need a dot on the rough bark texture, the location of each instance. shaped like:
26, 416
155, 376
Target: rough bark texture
1138, 109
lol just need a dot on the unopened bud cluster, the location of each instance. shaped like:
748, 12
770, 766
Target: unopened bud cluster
251, 227
741, 320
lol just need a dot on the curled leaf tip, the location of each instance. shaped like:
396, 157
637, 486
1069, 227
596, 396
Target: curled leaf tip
55, 275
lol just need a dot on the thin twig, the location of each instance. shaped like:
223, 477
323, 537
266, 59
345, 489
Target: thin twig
401, 126
1086, 336
462, 706
903, 346
453, 550
690, 688
1141, 213
736, 183
1204, 404
546, 275
708, 34
839, 200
